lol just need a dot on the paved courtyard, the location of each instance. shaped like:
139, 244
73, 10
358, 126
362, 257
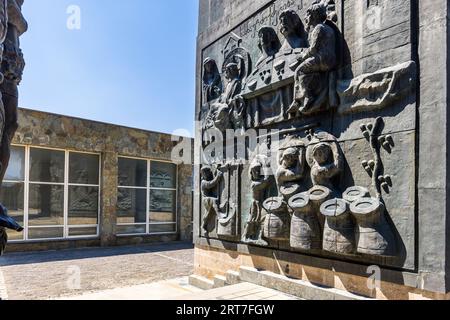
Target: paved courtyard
69, 273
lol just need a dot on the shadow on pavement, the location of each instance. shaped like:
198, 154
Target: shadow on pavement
22, 258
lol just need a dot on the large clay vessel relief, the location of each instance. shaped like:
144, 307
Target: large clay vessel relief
291, 171
325, 160
306, 232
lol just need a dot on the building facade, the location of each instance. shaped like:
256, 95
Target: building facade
74, 183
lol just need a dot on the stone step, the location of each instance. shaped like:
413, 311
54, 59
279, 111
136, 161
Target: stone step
241, 291
297, 288
233, 277
201, 282
220, 281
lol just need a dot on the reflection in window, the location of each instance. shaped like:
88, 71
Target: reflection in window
163, 175
12, 197
83, 205
46, 205
162, 206
16, 167
46, 165
132, 173
43, 178
162, 200
83, 168
45, 233
162, 228
131, 205
78, 232
135, 215
131, 229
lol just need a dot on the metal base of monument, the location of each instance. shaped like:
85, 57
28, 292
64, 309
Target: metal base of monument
297, 288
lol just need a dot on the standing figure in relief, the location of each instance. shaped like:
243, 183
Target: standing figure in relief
209, 186
260, 184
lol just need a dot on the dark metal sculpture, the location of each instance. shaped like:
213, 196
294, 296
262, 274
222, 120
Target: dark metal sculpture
12, 26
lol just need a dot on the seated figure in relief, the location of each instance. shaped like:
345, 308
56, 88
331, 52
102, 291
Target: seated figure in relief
312, 76
227, 113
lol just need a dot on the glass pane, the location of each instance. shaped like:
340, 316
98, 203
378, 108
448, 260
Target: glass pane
45, 233
12, 197
132, 173
163, 175
46, 165
14, 235
131, 205
16, 167
83, 168
133, 229
79, 232
46, 205
162, 206
162, 228
83, 205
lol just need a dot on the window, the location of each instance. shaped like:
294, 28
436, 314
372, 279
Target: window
12, 192
54, 194
147, 197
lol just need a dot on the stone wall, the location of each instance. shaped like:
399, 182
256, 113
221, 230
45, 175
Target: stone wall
110, 141
388, 46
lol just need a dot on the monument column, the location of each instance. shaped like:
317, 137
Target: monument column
433, 146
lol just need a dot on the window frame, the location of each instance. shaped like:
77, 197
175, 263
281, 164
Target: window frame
66, 227
148, 188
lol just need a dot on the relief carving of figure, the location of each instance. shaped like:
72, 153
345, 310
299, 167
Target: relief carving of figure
212, 82
291, 170
260, 184
228, 112
293, 31
312, 76
268, 44
209, 187
325, 159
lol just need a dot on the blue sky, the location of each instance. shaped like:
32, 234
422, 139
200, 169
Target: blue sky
131, 63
